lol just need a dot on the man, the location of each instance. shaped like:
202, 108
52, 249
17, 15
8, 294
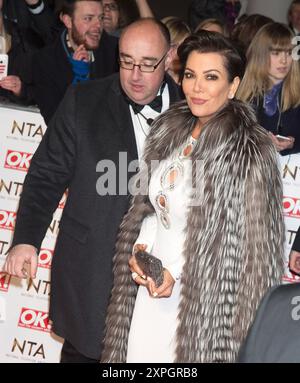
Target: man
96, 122
111, 16
275, 334
294, 16
82, 51
118, 14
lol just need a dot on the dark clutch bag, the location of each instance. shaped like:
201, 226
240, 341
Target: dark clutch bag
151, 266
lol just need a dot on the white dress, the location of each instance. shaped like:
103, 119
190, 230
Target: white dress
154, 322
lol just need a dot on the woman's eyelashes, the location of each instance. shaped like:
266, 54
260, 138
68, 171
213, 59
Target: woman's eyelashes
189, 75
211, 77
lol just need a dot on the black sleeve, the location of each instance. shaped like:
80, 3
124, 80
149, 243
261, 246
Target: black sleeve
46, 93
45, 23
49, 175
296, 244
200, 10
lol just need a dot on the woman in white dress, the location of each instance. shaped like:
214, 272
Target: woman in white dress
211, 211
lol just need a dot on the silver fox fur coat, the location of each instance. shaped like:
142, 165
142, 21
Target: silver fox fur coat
234, 238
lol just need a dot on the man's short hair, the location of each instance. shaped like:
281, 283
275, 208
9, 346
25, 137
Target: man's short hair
68, 6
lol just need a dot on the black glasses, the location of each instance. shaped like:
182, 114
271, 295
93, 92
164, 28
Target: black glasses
148, 68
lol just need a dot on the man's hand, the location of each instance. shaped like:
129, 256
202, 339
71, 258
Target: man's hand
294, 264
81, 54
18, 257
12, 83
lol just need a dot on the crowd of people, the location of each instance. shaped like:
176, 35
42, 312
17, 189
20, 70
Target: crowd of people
202, 108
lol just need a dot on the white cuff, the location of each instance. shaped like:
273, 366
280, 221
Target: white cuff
37, 10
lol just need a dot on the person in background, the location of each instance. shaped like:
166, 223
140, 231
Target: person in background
210, 209
96, 123
118, 14
179, 30
244, 31
227, 11
25, 26
274, 334
294, 16
213, 25
272, 85
82, 51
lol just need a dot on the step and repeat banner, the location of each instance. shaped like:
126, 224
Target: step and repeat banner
290, 172
25, 329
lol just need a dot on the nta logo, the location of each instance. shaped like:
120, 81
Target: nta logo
27, 129
28, 348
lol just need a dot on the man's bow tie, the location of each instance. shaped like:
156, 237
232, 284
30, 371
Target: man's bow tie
155, 104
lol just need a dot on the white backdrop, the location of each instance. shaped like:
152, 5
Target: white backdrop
276, 9
25, 331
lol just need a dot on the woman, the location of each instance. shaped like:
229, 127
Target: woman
213, 25
179, 30
272, 85
244, 31
211, 213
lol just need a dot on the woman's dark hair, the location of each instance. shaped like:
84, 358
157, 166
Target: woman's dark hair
213, 42
244, 31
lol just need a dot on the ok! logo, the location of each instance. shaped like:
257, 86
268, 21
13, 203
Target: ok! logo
7, 219
291, 207
34, 319
4, 281
17, 160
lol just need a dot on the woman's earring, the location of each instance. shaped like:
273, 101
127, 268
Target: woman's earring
231, 96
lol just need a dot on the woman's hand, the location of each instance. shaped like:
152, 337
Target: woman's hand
164, 290
282, 144
137, 273
12, 83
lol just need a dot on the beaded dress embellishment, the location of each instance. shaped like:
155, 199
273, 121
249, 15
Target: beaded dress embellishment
170, 178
